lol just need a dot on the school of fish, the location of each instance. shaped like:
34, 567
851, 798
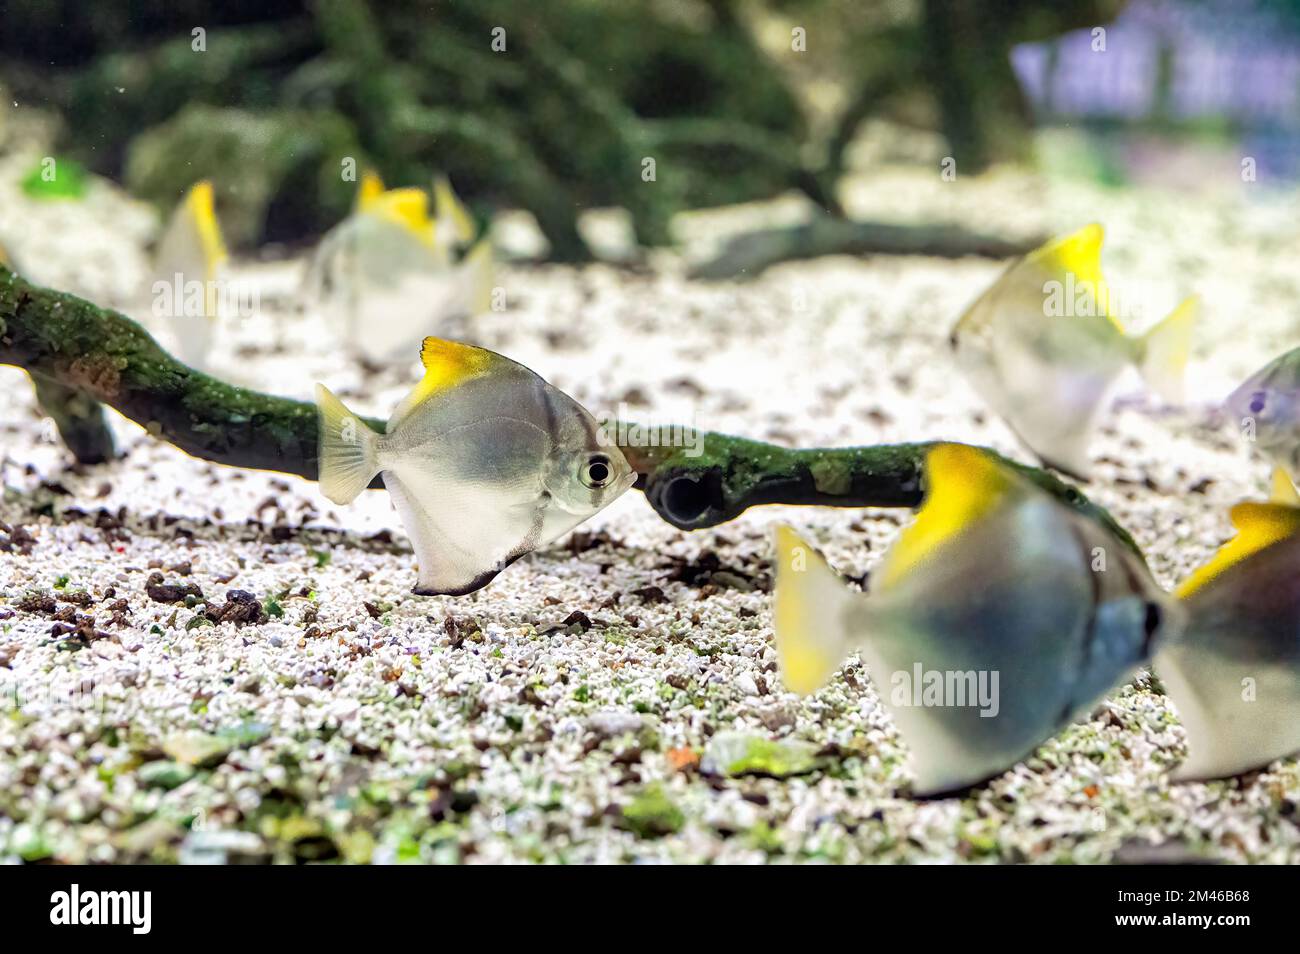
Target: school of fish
998, 616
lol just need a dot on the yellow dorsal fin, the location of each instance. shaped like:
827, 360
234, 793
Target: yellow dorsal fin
1078, 254
1283, 490
447, 364
202, 210
409, 208
964, 483
453, 362
1258, 525
4, 256
452, 211
370, 190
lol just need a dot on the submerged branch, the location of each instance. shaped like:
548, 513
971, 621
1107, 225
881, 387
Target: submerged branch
79, 419
79, 355
750, 254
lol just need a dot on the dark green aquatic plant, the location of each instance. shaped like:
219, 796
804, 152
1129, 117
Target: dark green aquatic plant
553, 107
81, 356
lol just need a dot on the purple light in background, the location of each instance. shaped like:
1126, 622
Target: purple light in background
1231, 60
1121, 81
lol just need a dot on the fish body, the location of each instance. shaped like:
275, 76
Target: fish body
1043, 348
1233, 671
188, 268
485, 461
996, 593
1266, 408
387, 275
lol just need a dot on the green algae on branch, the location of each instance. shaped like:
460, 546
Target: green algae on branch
729, 475
81, 355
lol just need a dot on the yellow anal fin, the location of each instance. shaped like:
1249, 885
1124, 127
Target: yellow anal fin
1258, 525
964, 483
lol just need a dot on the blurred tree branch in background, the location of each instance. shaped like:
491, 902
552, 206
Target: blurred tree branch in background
558, 121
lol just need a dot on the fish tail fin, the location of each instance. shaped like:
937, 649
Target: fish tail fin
451, 212
809, 612
1283, 491
349, 449
479, 276
1163, 351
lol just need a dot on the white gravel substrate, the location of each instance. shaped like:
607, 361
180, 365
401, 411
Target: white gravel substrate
473, 729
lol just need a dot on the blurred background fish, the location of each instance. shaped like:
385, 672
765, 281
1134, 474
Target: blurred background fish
1266, 409
994, 581
189, 265
390, 274
1233, 671
1043, 347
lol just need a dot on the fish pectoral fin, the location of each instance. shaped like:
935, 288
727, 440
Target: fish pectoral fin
1165, 349
808, 614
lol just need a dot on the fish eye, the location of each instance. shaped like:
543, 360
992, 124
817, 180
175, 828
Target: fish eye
1257, 402
1154, 617
596, 471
